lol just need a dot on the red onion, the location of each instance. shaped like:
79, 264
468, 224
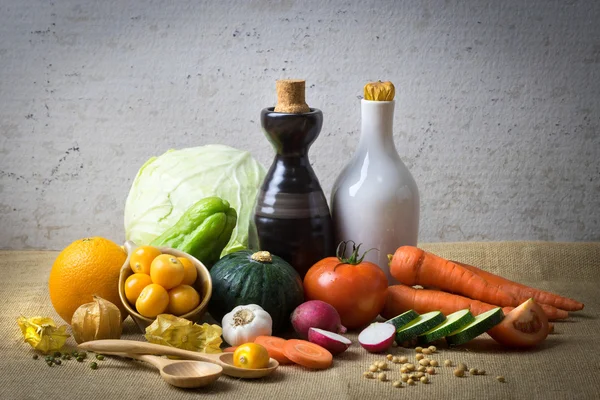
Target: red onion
316, 314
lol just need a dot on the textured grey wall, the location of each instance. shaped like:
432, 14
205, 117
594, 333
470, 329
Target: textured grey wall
497, 115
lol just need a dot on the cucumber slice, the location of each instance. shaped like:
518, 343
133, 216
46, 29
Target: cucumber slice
483, 322
421, 324
453, 322
403, 319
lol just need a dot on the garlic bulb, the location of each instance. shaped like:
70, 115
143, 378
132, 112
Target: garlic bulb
245, 323
99, 319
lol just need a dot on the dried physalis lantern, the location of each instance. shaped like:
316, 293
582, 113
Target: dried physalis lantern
380, 91
97, 320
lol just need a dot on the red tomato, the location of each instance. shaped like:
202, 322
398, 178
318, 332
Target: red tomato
525, 326
357, 291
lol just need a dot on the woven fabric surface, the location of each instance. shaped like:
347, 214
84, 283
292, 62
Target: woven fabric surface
562, 367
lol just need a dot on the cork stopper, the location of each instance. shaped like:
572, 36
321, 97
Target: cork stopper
290, 97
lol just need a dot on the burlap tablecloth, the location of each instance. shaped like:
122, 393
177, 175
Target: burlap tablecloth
566, 365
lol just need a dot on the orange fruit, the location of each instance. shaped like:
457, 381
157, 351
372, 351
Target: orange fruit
85, 268
190, 273
134, 285
153, 300
183, 299
167, 271
141, 259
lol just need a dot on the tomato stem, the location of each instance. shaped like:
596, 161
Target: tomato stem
354, 258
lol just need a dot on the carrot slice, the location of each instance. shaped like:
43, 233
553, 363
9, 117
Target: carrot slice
307, 354
229, 349
274, 346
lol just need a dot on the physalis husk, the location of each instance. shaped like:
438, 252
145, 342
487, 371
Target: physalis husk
379, 91
42, 334
181, 333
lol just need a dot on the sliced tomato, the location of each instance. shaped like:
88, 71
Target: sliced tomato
525, 326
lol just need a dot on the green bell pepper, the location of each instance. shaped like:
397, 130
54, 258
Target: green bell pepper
203, 230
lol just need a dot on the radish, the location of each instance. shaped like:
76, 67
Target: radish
316, 314
377, 337
333, 342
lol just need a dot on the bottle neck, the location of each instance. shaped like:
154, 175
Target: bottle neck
377, 125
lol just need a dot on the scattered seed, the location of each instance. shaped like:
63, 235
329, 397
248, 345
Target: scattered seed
395, 360
57, 354
459, 372
75, 354
419, 375
500, 379
482, 372
368, 374
462, 366
418, 349
421, 369
82, 354
99, 357
373, 368
66, 356
426, 351
35, 357
383, 366
403, 370
433, 349
431, 371
49, 358
419, 356
404, 377
389, 357
410, 382
50, 363
410, 367
382, 377
434, 363
424, 379
424, 362
93, 365
403, 359
79, 359
57, 361
397, 384
473, 371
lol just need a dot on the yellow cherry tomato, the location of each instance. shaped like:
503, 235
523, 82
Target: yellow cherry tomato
134, 285
153, 300
189, 271
167, 271
142, 257
251, 355
182, 299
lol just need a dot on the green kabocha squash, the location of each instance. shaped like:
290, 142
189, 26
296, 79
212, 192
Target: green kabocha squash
247, 277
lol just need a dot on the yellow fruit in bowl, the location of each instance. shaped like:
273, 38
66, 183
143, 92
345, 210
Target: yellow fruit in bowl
141, 259
85, 268
182, 300
167, 271
190, 273
134, 285
153, 300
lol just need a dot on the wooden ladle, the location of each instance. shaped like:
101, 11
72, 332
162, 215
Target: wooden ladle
180, 373
225, 360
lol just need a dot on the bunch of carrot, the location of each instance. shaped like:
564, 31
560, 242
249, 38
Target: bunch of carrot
459, 286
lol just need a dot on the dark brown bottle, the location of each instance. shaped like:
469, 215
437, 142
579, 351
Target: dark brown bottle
291, 217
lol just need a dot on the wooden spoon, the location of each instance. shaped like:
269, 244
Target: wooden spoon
225, 360
180, 373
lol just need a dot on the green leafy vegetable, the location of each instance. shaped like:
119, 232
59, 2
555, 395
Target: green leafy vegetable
165, 187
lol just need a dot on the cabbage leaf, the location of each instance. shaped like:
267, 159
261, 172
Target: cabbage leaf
166, 186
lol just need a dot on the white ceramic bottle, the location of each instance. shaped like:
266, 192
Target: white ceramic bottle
375, 200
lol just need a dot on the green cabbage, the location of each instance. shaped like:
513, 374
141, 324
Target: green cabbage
166, 186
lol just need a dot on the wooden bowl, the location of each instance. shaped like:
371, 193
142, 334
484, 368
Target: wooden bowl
203, 285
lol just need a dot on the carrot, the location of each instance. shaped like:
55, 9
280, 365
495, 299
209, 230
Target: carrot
413, 266
274, 346
401, 298
523, 292
307, 354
